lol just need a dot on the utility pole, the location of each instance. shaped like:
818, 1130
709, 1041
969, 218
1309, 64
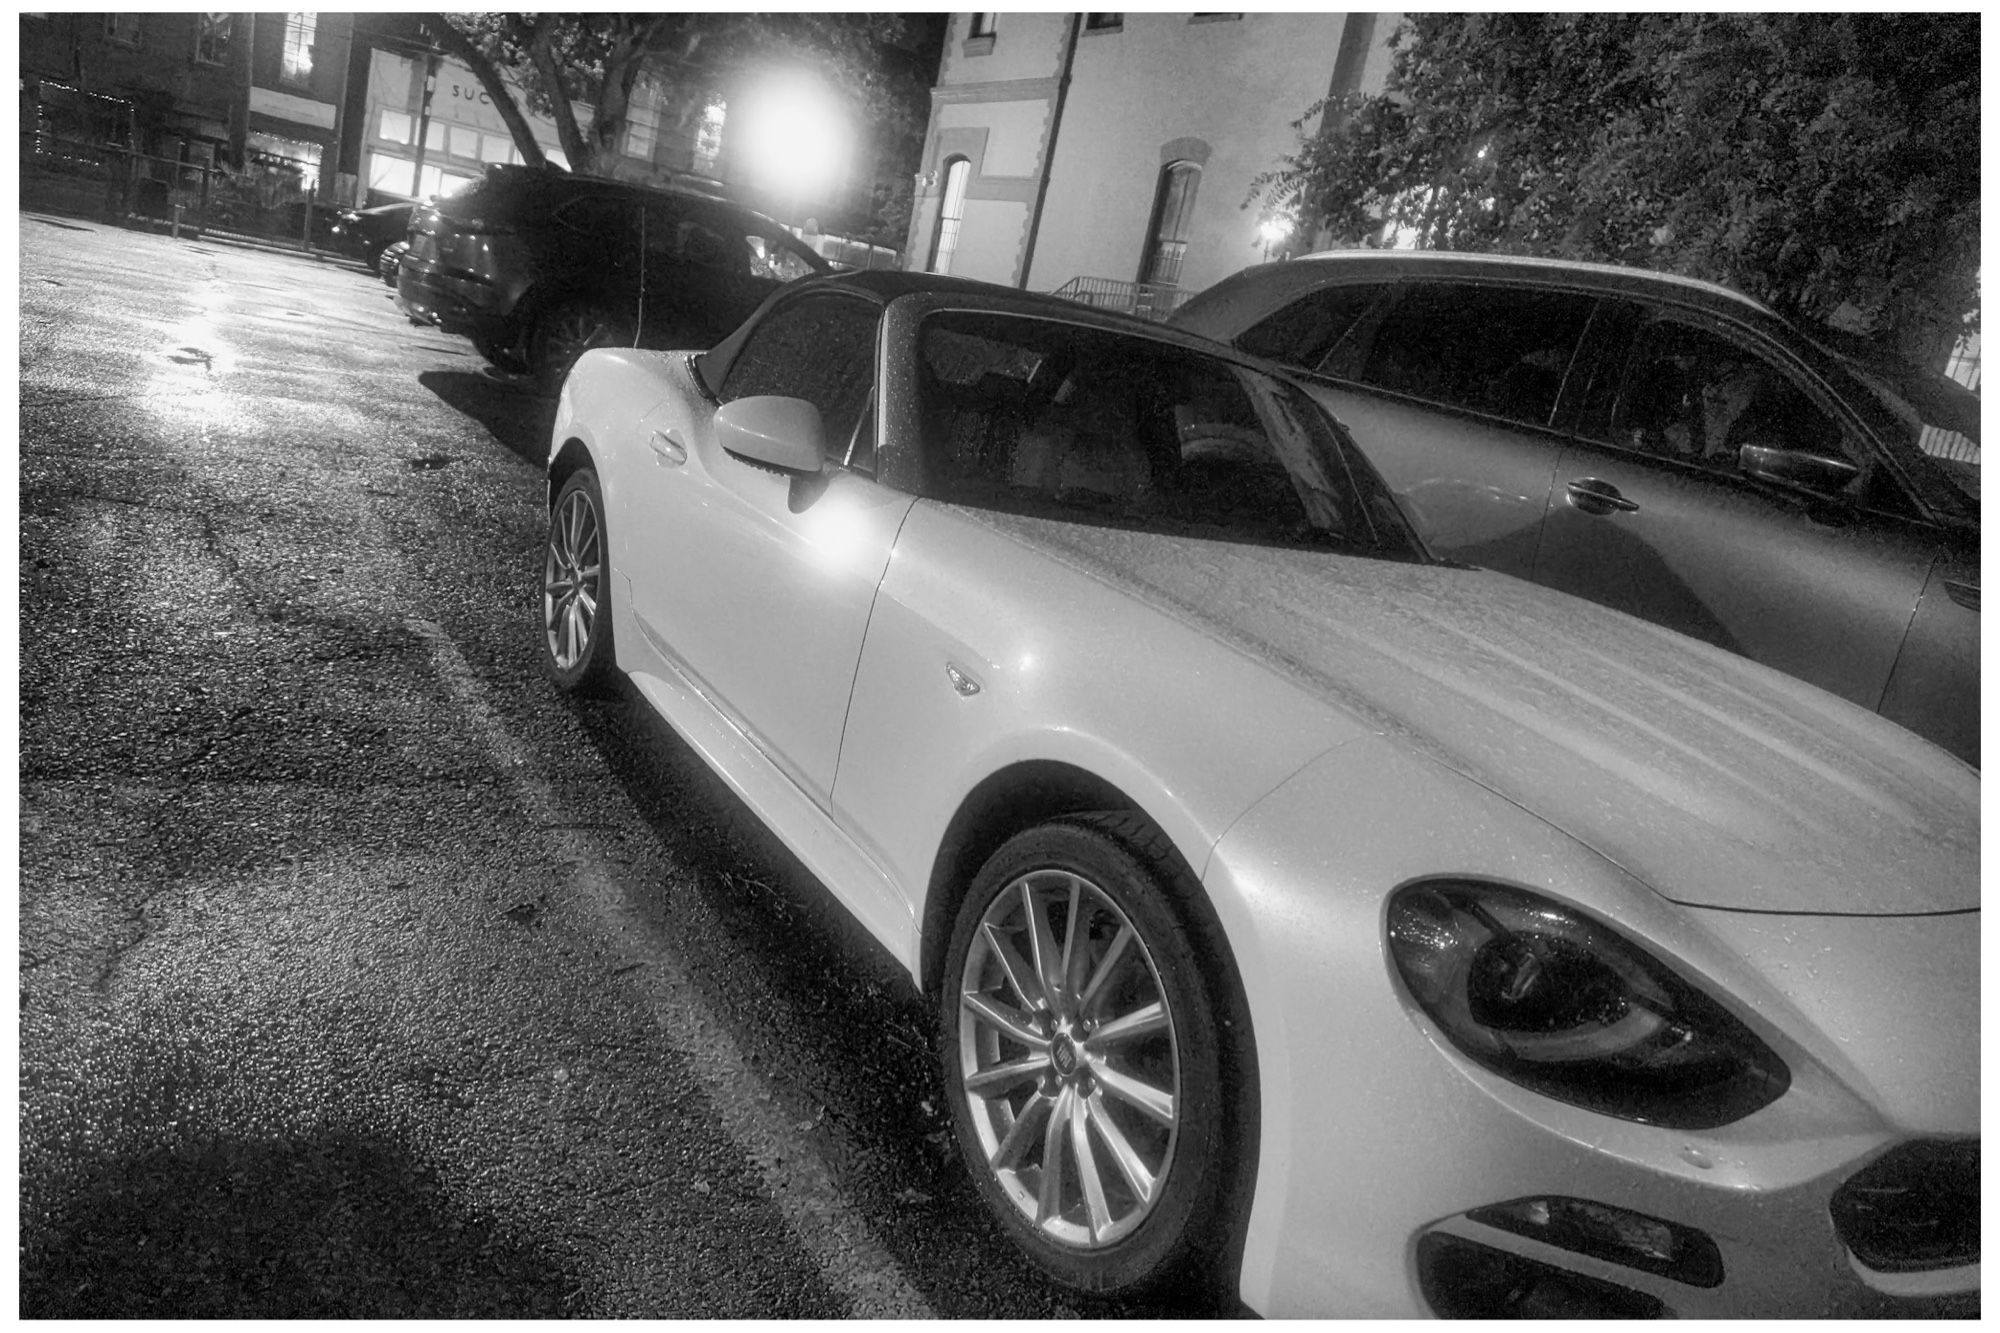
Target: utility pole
432, 58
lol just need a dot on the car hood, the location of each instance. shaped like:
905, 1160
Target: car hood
1714, 780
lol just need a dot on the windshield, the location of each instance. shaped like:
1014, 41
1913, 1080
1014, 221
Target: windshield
1043, 416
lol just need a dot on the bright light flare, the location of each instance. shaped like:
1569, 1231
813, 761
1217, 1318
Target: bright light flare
795, 135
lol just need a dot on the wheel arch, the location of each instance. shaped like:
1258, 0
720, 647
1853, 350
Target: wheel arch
570, 458
1034, 791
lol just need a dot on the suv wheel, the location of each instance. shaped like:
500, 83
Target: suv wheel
567, 330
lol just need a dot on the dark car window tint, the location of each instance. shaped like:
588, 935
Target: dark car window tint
707, 242
1500, 350
663, 228
1041, 416
820, 348
1316, 333
1692, 395
599, 216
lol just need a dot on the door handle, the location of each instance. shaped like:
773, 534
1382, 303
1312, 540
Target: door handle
667, 447
1599, 497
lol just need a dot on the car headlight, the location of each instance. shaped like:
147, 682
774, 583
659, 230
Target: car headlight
1543, 995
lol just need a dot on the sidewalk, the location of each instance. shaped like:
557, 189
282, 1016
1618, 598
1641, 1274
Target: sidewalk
133, 222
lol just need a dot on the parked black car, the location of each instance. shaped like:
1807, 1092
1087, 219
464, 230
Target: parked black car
536, 265
1664, 446
365, 233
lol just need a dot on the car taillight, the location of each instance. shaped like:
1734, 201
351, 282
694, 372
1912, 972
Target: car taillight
471, 253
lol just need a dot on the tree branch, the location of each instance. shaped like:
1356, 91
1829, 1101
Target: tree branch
461, 48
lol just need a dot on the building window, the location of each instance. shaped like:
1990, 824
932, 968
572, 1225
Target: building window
1173, 212
1213, 18
708, 135
1103, 22
979, 34
464, 142
299, 46
121, 29
395, 126
951, 214
211, 38
638, 138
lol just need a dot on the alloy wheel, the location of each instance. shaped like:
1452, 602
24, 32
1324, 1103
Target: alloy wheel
1068, 1060
570, 603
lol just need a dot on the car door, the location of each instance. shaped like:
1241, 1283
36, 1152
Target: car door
754, 583
1656, 512
1451, 389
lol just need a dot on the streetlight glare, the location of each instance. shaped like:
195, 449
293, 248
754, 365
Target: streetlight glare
795, 136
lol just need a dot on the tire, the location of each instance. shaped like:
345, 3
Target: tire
501, 355
568, 329
577, 649
1088, 1062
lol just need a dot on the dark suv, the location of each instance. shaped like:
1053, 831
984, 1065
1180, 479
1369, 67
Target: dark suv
535, 265
1668, 447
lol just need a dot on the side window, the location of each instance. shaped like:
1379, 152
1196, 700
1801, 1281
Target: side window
1037, 416
775, 259
706, 241
1317, 332
1691, 394
1499, 350
820, 348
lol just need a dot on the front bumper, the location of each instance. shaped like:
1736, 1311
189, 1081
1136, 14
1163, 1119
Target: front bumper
1381, 1149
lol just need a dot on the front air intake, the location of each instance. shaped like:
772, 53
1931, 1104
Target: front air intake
1915, 1208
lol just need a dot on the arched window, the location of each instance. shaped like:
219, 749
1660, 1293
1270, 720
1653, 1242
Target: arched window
1173, 212
951, 214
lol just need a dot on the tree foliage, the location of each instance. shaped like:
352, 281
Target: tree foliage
584, 70
1827, 163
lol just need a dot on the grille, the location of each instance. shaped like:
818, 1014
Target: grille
1916, 1207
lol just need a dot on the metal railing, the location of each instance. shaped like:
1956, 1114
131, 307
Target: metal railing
114, 183
1148, 300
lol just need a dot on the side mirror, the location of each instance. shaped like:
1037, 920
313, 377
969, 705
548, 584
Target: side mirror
778, 432
1816, 474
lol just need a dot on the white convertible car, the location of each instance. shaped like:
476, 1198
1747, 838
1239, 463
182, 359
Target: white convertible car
1381, 936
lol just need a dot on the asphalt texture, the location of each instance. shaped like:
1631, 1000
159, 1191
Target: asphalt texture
362, 972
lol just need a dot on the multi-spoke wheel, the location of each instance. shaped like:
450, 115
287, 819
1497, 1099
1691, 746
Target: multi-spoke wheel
567, 330
1081, 1054
576, 582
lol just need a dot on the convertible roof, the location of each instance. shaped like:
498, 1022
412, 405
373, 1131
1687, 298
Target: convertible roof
886, 285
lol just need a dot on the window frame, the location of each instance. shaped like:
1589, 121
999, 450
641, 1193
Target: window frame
1163, 189
208, 33
940, 251
300, 77
129, 36
1880, 489
866, 415
1379, 317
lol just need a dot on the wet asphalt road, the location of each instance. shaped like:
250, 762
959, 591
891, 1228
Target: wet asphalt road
361, 972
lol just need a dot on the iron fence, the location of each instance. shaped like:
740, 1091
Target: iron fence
1148, 300
108, 181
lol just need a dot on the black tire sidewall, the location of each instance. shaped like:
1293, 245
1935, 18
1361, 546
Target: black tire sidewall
1178, 1227
595, 667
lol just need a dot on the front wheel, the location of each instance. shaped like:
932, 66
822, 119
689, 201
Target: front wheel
576, 588
1081, 1058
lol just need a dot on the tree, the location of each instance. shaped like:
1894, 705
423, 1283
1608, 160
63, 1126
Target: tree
1825, 163
566, 62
